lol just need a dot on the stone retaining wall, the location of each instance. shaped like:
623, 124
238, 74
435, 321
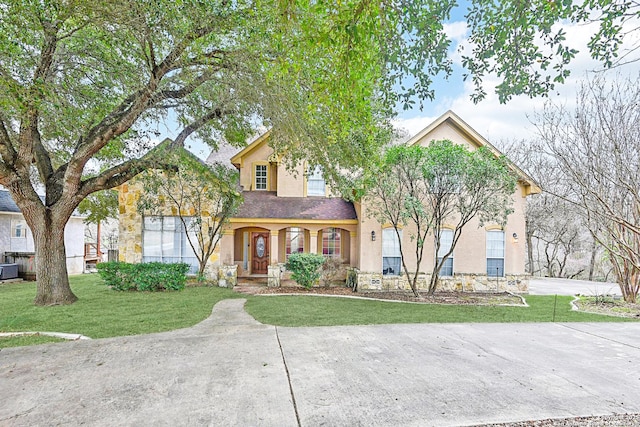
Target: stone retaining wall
470, 282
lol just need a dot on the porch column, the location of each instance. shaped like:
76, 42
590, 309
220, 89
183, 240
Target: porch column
313, 244
226, 247
353, 248
273, 250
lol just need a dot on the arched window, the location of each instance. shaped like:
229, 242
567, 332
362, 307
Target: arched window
331, 242
446, 240
391, 259
495, 253
315, 182
295, 241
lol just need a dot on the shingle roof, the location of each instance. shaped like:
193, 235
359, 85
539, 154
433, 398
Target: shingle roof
223, 154
8, 205
6, 202
265, 204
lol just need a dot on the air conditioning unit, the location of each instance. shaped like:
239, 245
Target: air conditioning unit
8, 271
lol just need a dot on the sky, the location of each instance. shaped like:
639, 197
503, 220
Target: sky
498, 123
512, 121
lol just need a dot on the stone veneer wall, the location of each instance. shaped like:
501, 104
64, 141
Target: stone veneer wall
130, 225
130, 228
465, 282
227, 276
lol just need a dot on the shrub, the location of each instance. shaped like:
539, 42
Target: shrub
153, 276
116, 275
305, 268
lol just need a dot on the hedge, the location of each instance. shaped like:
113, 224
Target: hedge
152, 276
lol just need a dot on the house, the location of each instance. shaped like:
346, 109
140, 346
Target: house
288, 211
16, 240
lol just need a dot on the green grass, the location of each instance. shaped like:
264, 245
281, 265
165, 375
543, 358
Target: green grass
324, 311
101, 312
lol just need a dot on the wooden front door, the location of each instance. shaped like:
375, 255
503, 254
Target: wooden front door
260, 255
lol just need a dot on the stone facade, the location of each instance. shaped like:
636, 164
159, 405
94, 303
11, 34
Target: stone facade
130, 229
367, 281
130, 224
274, 275
228, 276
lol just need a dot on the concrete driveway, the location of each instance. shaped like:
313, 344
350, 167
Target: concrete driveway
231, 370
555, 286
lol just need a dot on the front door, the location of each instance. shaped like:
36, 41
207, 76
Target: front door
260, 256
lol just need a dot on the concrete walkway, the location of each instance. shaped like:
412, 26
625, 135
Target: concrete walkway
558, 286
232, 370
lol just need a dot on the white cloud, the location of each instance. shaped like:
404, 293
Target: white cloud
512, 121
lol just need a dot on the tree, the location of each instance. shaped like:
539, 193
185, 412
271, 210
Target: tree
203, 197
427, 187
83, 85
397, 191
524, 43
598, 151
556, 235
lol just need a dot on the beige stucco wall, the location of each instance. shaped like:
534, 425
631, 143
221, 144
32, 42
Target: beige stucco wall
291, 183
469, 256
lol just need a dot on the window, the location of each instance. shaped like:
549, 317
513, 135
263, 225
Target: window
261, 177
295, 241
446, 240
391, 260
164, 239
18, 228
495, 253
331, 242
315, 183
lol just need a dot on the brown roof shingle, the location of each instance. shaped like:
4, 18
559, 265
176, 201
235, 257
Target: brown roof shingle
266, 204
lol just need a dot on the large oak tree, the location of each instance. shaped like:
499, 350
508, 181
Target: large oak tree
83, 85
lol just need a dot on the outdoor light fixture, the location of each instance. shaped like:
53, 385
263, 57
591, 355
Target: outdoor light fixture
515, 237
373, 236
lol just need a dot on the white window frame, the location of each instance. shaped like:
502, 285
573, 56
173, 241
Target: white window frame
171, 234
316, 185
329, 236
261, 179
447, 267
391, 255
289, 238
495, 253
19, 226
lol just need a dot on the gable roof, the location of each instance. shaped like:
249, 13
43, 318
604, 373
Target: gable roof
266, 204
223, 154
258, 142
478, 140
7, 204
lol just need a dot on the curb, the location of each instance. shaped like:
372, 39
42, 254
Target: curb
62, 335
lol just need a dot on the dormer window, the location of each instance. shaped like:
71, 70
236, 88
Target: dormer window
261, 177
315, 182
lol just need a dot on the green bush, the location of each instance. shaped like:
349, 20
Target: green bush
153, 276
117, 275
305, 268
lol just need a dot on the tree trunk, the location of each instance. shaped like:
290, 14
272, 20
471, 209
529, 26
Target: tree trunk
529, 243
51, 266
592, 261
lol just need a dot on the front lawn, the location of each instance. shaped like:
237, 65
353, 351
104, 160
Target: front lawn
101, 312
327, 311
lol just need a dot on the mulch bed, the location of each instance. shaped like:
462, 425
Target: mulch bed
458, 298
611, 307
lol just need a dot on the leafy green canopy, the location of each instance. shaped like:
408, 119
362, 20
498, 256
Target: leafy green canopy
524, 44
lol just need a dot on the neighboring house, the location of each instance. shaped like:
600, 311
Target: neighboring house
16, 237
294, 211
